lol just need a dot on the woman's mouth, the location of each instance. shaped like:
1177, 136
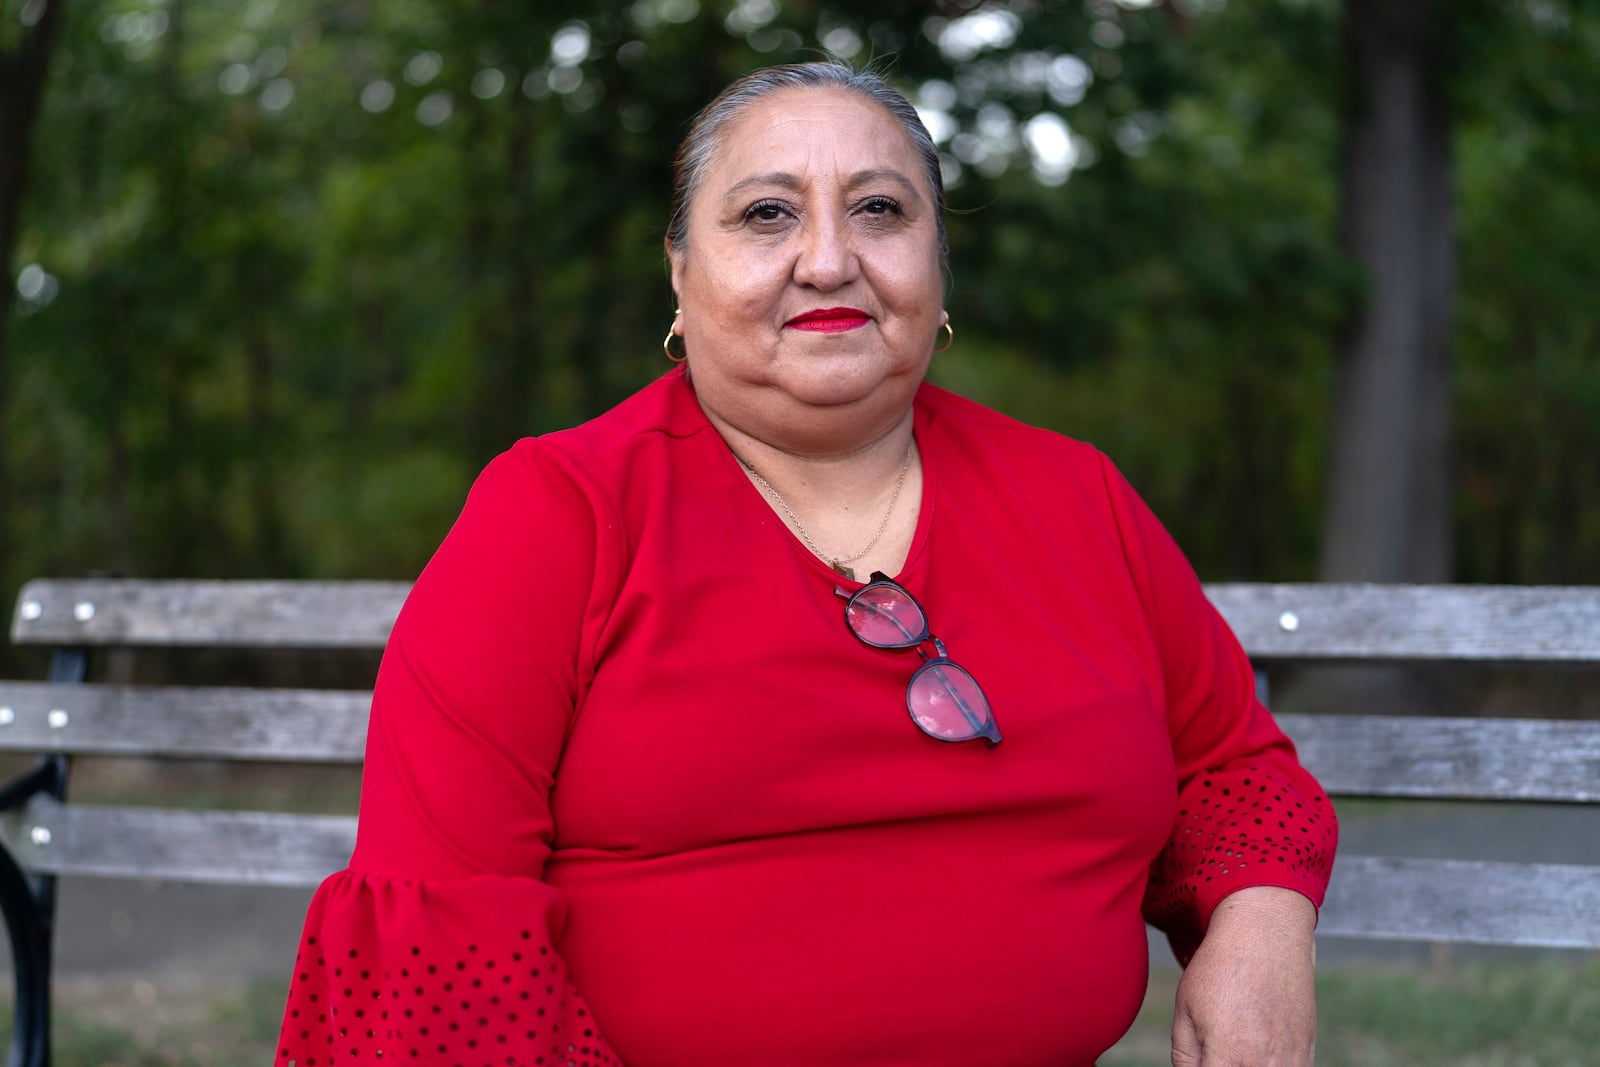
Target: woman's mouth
830, 320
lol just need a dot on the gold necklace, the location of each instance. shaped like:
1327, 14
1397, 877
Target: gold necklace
838, 563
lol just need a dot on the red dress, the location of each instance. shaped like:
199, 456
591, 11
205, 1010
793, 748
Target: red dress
622, 743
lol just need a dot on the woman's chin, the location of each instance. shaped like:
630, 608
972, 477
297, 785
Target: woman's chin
815, 405
829, 383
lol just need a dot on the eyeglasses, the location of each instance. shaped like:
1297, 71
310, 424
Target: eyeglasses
943, 698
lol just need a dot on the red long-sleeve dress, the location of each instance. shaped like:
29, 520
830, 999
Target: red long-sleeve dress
634, 793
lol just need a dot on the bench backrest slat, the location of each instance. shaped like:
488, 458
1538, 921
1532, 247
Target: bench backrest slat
213, 614
1498, 624
1371, 896
302, 725
1396, 623
1351, 755
1538, 904
1450, 758
216, 847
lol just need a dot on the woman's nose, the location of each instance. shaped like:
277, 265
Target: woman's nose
826, 259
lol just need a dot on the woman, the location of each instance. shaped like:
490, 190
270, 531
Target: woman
634, 795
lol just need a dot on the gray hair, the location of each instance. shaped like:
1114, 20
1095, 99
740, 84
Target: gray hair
694, 155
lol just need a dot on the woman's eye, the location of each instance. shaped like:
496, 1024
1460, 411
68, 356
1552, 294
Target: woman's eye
881, 205
765, 211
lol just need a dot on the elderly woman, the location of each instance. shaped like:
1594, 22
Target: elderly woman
665, 769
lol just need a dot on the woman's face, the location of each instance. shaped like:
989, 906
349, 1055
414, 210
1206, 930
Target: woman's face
810, 286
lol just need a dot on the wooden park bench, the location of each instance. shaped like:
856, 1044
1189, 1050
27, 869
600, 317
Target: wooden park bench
46, 835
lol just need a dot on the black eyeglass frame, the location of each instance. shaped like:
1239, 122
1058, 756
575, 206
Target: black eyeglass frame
984, 725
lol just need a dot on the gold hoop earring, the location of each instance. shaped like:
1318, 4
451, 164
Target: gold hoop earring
950, 336
666, 345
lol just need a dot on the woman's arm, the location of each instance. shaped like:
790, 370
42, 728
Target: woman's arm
1248, 997
439, 943
1236, 888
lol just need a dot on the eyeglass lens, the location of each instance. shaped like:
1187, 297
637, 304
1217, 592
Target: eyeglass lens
884, 615
944, 700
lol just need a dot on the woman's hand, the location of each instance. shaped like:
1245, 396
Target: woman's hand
1248, 998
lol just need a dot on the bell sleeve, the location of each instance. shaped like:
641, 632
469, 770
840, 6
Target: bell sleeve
1248, 813
437, 944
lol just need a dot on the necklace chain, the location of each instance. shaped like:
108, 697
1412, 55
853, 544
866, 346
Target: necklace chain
838, 563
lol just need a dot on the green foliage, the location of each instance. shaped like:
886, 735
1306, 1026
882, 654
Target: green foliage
311, 265
1528, 341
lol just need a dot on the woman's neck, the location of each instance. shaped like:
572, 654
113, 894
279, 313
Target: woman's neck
855, 508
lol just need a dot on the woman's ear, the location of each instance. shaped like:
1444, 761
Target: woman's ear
674, 271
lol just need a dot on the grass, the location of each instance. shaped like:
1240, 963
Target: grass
1480, 1016
128, 1024
1468, 1015
1518, 1014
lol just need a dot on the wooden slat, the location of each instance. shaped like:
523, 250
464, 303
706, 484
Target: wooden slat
309, 725
1490, 623
1447, 900
1352, 755
222, 848
300, 614
1460, 759
1536, 904
1507, 624
1373, 897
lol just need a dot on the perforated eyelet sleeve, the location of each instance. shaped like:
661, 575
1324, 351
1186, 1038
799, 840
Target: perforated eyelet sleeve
442, 973
1248, 814
437, 945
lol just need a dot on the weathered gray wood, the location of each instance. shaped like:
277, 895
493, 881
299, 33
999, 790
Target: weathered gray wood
1353, 755
1541, 904
300, 614
1374, 897
1387, 623
229, 848
1449, 758
1448, 900
1342, 622
309, 725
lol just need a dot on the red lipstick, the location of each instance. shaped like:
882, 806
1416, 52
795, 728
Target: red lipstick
830, 320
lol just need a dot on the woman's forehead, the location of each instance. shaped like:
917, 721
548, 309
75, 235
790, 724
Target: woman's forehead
807, 133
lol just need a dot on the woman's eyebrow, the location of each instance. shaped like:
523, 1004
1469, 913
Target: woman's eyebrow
792, 182
882, 174
777, 177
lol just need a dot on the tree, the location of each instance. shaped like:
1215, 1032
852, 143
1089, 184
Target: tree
27, 42
1388, 516
316, 262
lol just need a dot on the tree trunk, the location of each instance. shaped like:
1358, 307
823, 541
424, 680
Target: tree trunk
1388, 504
22, 80
1388, 515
